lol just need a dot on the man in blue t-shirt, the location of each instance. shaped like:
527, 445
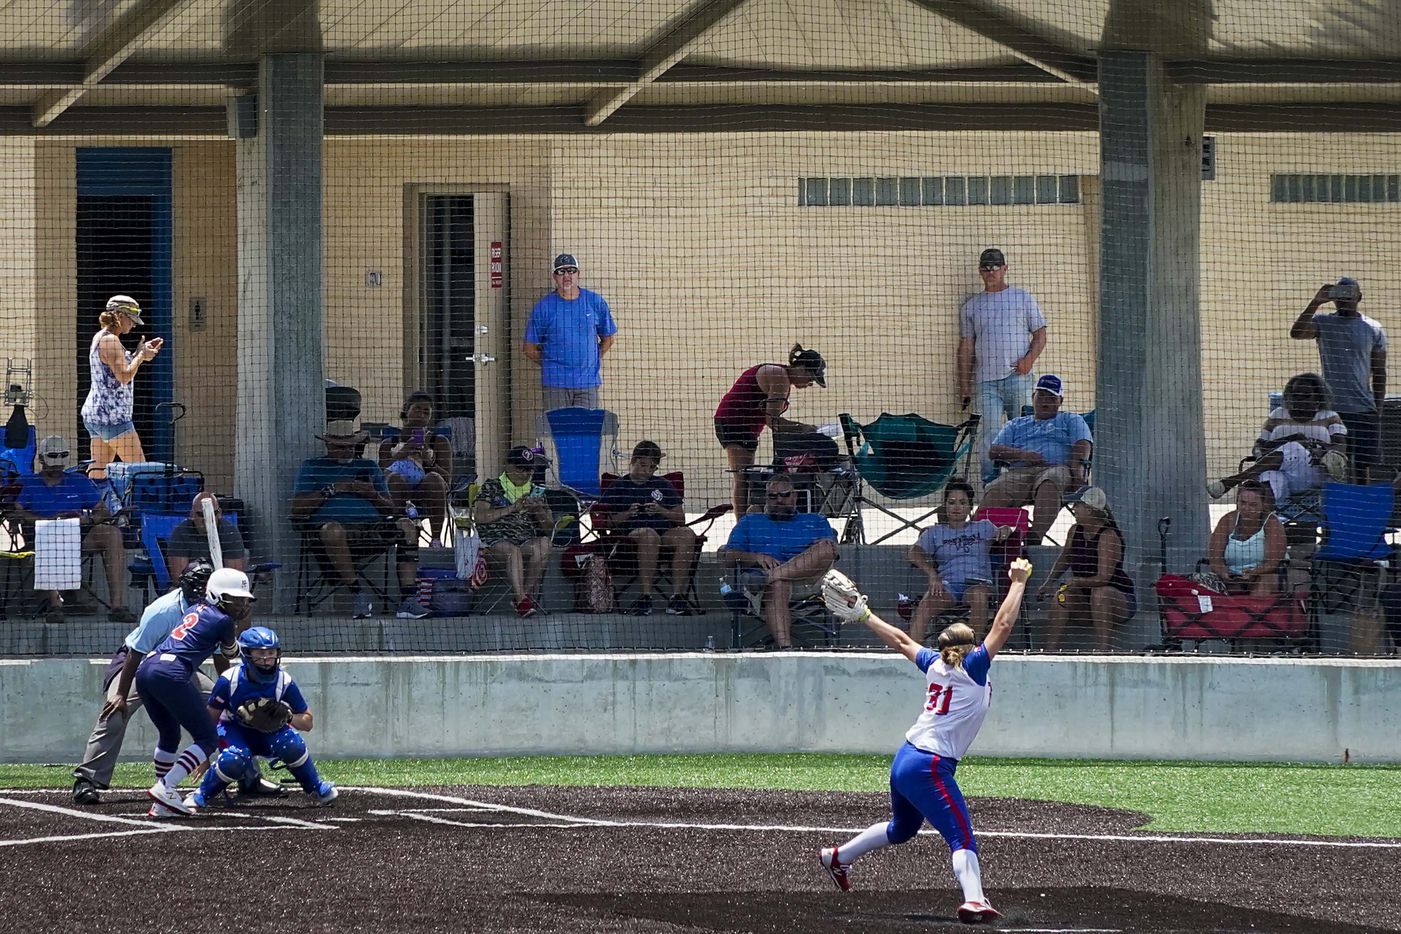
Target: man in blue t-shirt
1048, 452
778, 547
345, 498
648, 510
53, 493
569, 332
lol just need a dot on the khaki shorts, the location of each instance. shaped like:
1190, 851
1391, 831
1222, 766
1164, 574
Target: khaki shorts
1020, 483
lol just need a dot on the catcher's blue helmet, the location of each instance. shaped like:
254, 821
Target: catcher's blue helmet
259, 637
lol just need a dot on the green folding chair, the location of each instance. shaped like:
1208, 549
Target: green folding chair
903, 458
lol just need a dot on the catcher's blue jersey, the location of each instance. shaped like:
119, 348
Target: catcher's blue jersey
199, 634
233, 690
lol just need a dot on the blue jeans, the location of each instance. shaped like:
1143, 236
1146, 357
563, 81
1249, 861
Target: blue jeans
999, 400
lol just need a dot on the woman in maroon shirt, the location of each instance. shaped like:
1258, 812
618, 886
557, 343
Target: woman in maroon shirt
758, 399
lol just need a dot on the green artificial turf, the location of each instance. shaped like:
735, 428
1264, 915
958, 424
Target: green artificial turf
1200, 797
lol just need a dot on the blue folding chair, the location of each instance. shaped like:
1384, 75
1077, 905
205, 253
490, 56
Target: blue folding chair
1354, 550
581, 444
22, 458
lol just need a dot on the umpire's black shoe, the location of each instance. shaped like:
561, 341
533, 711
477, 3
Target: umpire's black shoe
85, 792
262, 788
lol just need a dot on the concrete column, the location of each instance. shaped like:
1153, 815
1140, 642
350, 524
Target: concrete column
1150, 451
281, 395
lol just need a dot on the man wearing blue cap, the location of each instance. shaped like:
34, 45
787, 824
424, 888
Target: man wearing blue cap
569, 332
1352, 349
1047, 451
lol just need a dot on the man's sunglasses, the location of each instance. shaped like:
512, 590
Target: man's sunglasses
566, 270
786, 495
990, 267
56, 455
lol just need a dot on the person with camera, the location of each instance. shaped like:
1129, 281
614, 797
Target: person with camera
1352, 349
510, 512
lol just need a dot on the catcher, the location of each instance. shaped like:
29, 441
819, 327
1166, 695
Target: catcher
259, 710
922, 786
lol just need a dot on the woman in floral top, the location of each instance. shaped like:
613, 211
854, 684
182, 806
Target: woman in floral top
107, 411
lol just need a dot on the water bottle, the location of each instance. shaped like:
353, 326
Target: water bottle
732, 599
410, 509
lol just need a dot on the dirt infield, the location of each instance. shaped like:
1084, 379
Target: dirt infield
652, 860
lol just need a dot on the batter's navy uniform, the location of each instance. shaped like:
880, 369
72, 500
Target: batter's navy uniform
164, 677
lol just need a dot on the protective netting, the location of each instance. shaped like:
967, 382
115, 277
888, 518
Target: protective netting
361, 230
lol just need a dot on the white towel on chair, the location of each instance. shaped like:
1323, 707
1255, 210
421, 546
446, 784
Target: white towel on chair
58, 554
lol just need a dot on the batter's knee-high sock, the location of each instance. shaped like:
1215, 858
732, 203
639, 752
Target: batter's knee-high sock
872, 838
970, 875
163, 761
306, 775
186, 763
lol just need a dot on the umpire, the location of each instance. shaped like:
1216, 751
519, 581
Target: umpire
94, 774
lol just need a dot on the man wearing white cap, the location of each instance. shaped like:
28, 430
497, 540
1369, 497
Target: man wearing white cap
569, 332
1352, 348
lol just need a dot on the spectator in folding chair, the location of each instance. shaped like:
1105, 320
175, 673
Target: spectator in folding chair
956, 556
756, 401
1099, 592
1247, 547
54, 493
776, 549
1300, 446
189, 542
1048, 451
511, 512
646, 509
417, 464
345, 501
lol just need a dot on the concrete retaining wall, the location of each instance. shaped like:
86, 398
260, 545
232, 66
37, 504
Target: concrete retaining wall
1157, 708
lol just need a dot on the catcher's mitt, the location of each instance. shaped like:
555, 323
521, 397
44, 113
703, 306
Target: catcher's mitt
264, 715
842, 597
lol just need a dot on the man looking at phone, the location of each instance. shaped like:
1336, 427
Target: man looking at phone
345, 498
510, 512
1352, 349
648, 510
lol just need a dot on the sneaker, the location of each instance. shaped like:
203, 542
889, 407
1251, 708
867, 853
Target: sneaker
167, 796
410, 609
326, 792
977, 912
1335, 462
194, 801
161, 812
835, 867
1215, 489
526, 608
363, 607
121, 614
677, 606
85, 792
262, 788
642, 606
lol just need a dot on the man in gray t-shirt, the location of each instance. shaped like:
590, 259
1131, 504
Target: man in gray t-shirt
1352, 350
1001, 333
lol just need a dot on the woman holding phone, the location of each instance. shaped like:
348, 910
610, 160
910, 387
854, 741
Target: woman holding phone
107, 411
417, 464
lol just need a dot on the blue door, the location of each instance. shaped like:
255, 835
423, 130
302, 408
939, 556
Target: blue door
124, 247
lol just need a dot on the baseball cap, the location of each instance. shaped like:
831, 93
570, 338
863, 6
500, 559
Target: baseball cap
563, 260
648, 449
522, 456
1347, 280
992, 256
53, 449
1052, 384
1091, 496
126, 305
813, 362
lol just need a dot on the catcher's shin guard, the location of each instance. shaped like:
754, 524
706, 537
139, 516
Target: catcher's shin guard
288, 745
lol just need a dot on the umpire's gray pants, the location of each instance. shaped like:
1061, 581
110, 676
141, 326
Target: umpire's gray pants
105, 743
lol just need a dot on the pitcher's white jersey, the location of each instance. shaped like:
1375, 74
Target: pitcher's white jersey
955, 705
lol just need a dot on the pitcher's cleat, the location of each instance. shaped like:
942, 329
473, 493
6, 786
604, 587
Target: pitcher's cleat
977, 913
835, 867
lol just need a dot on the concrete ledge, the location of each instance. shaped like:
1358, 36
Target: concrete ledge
1152, 708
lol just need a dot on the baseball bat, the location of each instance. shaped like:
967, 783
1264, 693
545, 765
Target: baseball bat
211, 533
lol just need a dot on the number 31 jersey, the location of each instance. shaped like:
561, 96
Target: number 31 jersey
955, 705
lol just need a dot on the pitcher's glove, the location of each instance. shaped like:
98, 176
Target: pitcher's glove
264, 715
842, 597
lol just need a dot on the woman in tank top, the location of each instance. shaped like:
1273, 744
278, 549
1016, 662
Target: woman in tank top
1098, 592
756, 401
107, 411
1247, 547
